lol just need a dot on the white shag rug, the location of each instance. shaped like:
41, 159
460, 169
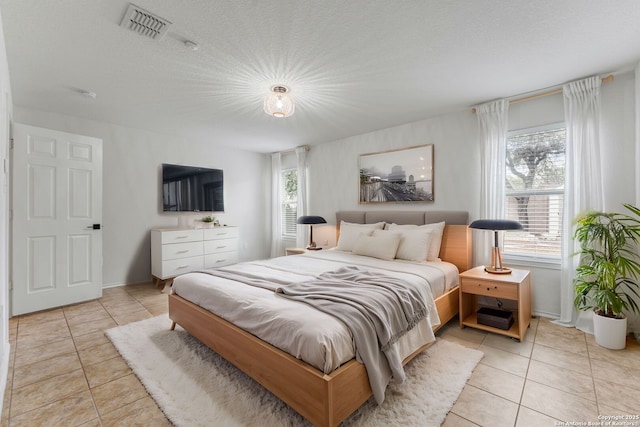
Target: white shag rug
195, 387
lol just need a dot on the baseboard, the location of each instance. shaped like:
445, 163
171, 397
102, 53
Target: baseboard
113, 285
4, 371
552, 316
117, 285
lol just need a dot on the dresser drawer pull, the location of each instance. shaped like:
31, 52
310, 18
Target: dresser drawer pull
181, 237
222, 234
221, 247
182, 267
182, 252
221, 260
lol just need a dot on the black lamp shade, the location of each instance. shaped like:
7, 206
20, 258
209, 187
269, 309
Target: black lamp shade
310, 219
496, 224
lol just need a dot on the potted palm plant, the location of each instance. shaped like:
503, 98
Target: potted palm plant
607, 277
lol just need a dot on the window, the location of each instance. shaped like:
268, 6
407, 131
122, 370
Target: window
289, 199
534, 193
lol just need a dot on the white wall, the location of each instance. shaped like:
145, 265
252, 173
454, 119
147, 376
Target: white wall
132, 190
334, 173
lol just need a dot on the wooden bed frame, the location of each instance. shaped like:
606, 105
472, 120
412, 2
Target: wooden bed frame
323, 399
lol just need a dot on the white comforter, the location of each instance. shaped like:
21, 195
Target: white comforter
297, 328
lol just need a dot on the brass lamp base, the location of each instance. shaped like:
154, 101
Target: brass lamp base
496, 266
494, 270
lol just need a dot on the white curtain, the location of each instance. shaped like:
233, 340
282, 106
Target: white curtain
634, 319
583, 184
302, 235
277, 245
493, 118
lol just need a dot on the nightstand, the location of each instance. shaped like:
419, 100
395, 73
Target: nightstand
514, 286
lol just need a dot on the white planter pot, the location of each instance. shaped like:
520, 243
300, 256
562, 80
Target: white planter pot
609, 332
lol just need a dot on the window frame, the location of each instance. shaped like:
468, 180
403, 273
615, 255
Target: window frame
524, 258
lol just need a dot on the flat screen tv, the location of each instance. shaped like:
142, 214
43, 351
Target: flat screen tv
192, 189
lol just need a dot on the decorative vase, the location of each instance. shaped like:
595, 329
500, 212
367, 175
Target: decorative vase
610, 332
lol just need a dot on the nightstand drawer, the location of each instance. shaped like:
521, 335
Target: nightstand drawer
490, 288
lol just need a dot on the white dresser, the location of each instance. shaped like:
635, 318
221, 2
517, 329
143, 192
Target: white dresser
175, 251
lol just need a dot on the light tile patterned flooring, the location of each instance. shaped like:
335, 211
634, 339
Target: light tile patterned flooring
555, 374
64, 371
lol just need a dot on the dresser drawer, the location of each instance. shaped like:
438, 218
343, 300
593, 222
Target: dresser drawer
181, 250
175, 267
489, 288
220, 233
220, 259
221, 245
180, 236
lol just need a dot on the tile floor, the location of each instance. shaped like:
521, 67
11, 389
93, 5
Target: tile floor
556, 374
64, 371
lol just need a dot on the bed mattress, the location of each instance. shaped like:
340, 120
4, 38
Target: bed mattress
308, 334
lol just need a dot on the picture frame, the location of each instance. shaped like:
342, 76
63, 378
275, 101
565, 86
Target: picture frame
397, 176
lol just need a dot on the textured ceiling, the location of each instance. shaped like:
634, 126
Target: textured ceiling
353, 66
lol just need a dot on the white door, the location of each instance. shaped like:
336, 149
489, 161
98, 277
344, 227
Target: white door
57, 216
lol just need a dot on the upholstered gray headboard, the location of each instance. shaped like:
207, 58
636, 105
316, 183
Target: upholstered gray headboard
403, 217
456, 242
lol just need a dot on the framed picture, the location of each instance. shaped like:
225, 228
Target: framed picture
403, 175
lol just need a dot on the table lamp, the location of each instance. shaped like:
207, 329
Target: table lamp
496, 225
310, 219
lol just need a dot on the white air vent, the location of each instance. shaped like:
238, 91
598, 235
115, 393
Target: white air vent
144, 23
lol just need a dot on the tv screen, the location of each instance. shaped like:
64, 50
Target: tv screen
192, 189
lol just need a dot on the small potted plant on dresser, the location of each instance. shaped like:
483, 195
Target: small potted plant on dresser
607, 278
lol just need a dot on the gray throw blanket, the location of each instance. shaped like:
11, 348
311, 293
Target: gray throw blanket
378, 310
244, 277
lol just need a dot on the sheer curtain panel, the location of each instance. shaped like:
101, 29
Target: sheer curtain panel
302, 235
583, 184
493, 120
277, 244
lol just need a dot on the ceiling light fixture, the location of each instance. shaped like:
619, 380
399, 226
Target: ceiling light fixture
278, 104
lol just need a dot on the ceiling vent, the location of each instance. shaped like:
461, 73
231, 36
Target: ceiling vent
145, 23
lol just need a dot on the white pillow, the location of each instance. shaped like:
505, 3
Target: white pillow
414, 244
437, 229
383, 247
349, 233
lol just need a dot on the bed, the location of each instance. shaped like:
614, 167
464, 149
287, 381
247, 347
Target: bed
320, 392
